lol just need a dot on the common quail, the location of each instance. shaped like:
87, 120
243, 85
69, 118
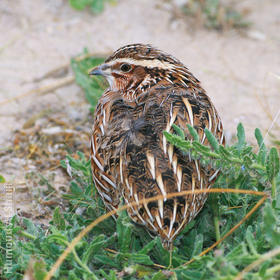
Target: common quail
148, 92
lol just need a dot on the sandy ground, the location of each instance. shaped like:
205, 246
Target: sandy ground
240, 71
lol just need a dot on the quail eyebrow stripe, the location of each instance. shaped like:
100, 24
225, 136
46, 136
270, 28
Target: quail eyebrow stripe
155, 63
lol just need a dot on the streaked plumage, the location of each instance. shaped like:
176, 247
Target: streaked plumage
149, 91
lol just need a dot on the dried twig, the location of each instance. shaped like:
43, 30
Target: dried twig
45, 89
58, 84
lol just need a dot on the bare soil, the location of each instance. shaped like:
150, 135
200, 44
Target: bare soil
239, 70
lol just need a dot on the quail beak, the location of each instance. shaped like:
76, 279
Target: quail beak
102, 70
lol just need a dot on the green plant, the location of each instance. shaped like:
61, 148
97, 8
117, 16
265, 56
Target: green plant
96, 6
121, 250
215, 14
92, 86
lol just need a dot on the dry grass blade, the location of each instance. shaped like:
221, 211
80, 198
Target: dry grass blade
74, 242
260, 202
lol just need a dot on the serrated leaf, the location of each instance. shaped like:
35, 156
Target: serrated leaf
139, 259
58, 220
179, 131
251, 240
259, 138
148, 247
212, 140
159, 276
94, 247
190, 275
39, 270
201, 148
193, 133
123, 232
273, 163
31, 228
240, 135
198, 244
263, 267
59, 238
106, 260
270, 230
177, 141
75, 189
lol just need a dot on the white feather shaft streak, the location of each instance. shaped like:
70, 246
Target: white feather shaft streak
97, 162
148, 212
214, 175
160, 208
210, 121
100, 184
197, 169
179, 177
129, 187
161, 186
92, 145
158, 221
173, 218
109, 181
151, 161
189, 109
170, 152
121, 171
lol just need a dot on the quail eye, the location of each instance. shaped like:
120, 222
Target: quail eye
125, 67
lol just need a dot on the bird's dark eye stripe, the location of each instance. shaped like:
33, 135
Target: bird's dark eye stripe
125, 67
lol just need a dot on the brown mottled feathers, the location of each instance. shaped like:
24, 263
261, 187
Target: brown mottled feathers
132, 159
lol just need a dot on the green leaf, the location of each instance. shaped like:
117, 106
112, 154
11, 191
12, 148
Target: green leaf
139, 259
177, 141
201, 148
124, 232
212, 140
58, 220
39, 269
97, 6
2, 179
79, 4
148, 247
270, 231
179, 131
92, 85
94, 247
75, 189
197, 245
159, 276
31, 228
259, 138
264, 266
273, 163
251, 240
240, 135
224, 151
193, 133
190, 275
106, 260
262, 148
